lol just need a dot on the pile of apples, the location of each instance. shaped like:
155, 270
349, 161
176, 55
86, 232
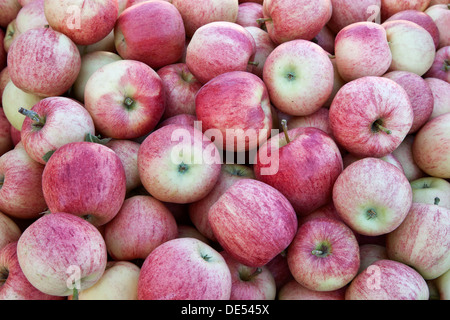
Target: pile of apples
225, 149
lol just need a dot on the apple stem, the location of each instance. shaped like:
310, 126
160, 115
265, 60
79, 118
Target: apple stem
249, 277
253, 63
75, 293
378, 126
331, 56
263, 20
317, 252
436, 201
33, 115
285, 130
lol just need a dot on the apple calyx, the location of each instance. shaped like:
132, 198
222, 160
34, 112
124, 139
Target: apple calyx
206, 257
129, 103
377, 126
39, 122
182, 168
436, 201
285, 130
371, 214
244, 275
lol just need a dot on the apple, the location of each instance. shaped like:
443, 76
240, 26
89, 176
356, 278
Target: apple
370, 116
11, 34
250, 14
13, 99
21, 193
198, 210
388, 280
279, 269
390, 158
295, 291
2, 50
264, 46
319, 119
369, 253
51, 76
338, 83
184, 269
324, 255
391, 7
9, 230
127, 151
442, 284
189, 231
372, 196
426, 189
197, 13
325, 39
93, 177
308, 163
31, 16
419, 93
14, 284
422, 19
250, 283
362, 49
219, 47
91, 62
83, 22
4, 79
235, 109
72, 258
441, 95
248, 211
431, 147
15, 135
441, 65
180, 87
326, 211
142, 28
346, 13
410, 243
10, 9
411, 45
118, 282
178, 164
141, 225
6, 142
404, 155
105, 44
182, 119
52, 123
440, 14
287, 20
299, 76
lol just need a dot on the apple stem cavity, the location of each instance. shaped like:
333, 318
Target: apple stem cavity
285, 130
436, 201
245, 276
33, 115
378, 126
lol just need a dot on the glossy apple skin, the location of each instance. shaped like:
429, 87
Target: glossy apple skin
424, 226
247, 212
94, 178
346, 13
184, 269
69, 241
388, 280
364, 101
307, 166
51, 76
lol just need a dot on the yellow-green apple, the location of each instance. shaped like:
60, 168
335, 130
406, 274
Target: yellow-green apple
219, 47
391, 7
370, 116
346, 13
388, 280
142, 28
52, 123
440, 68
362, 49
293, 290
49, 76
6, 142
197, 13
411, 45
71, 258
250, 283
431, 147
404, 155
426, 189
248, 211
178, 164
91, 62
180, 87
419, 93
441, 95
440, 14
287, 20
317, 164
235, 109
10, 9
184, 269
118, 282
11, 34
264, 46
13, 99
198, 210
31, 16
142, 224
9, 230
249, 14
324, 255
442, 284
183, 119
422, 19
424, 227
83, 22
21, 193
14, 284
93, 177
299, 76
325, 39
125, 99
372, 196
369, 253
127, 151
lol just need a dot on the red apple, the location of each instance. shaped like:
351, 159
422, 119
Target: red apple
319, 119
9, 230
31, 16
390, 158
441, 95
391, 7
295, 291
4, 79
6, 142
10, 9
264, 46
325, 39
440, 14
404, 155
189, 231
279, 268
249, 13
182, 119
184, 269
86, 179
440, 68
2, 50
369, 253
